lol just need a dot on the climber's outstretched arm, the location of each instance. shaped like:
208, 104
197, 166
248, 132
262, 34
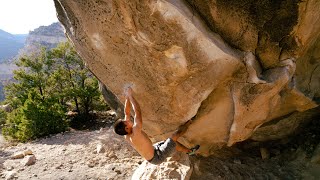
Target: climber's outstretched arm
127, 109
137, 110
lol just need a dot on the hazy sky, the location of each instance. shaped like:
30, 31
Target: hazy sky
21, 16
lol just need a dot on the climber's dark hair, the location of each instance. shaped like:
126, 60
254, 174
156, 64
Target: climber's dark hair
119, 127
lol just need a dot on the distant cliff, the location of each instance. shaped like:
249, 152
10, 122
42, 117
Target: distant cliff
10, 44
47, 36
13, 46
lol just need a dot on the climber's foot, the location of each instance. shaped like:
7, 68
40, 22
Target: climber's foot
193, 150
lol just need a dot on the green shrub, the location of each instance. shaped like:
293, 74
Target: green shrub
36, 118
44, 86
2, 117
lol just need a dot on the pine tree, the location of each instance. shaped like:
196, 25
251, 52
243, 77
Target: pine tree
37, 111
80, 86
44, 86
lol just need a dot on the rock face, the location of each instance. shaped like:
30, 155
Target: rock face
177, 167
231, 66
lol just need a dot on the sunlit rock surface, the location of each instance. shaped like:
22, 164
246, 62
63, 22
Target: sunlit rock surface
230, 65
176, 167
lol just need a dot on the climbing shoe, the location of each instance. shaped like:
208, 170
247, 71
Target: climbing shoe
193, 150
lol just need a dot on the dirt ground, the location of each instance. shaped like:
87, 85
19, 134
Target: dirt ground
73, 156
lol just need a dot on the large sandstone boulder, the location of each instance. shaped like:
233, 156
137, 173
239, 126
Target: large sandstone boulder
176, 167
231, 66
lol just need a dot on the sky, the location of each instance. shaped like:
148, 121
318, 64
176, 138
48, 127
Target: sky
22, 16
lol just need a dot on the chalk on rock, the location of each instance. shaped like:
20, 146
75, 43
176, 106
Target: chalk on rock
100, 148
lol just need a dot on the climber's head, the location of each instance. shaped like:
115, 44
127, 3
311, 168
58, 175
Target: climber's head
122, 127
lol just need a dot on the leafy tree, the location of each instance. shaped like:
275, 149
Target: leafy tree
31, 76
36, 118
37, 111
83, 88
2, 118
44, 85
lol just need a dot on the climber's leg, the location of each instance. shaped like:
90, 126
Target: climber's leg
181, 130
182, 148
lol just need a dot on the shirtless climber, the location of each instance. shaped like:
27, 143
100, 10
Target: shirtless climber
139, 140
